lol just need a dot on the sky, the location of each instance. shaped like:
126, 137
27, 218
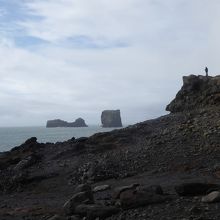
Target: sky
75, 58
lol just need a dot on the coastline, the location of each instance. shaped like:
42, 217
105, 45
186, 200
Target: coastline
164, 168
15, 136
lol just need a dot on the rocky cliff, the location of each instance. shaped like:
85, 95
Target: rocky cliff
197, 92
111, 118
60, 123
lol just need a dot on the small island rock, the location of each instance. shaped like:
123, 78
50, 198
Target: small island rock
111, 118
60, 123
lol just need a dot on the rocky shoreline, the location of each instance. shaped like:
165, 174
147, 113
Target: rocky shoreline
165, 168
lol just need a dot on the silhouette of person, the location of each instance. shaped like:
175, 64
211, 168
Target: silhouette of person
206, 71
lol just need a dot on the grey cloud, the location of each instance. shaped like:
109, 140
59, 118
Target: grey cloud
167, 39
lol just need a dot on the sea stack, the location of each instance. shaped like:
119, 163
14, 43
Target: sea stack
60, 123
111, 118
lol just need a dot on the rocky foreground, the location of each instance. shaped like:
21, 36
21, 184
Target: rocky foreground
166, 168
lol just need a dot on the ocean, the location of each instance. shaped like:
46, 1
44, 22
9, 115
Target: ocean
14, 136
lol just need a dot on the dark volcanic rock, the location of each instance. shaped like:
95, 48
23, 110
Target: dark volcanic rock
83, 188
60, 123
212, 197
157, 189
32, 140
137, 198
149, 158
195, 189
77, 199
26, 162
96, 211
196, 92
57, 217
117, 191
111, 118
83, 195
23, 156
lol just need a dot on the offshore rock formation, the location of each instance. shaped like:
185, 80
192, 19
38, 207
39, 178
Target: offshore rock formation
111, 118
60, 123
196, 92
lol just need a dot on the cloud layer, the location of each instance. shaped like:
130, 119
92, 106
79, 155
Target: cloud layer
74, 58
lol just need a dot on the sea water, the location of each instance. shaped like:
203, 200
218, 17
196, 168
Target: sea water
14, 136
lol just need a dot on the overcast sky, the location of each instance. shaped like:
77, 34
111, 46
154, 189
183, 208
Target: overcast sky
74, 58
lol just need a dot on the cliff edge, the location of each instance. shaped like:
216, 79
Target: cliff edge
196, 92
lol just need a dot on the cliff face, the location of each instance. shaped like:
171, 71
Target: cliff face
111, 118
60, 123
196, 92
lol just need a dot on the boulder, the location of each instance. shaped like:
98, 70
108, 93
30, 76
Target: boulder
196, 92
57, 217
212, 197
117, 191
60, 123
32, 140
73, 217
96, 211
83, 188
157, 189
195, 189
30, 145
111, 118
134, 196
77, 199
26, 162
101, 188
81, 139
133, 199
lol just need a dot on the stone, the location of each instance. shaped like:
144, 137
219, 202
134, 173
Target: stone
133, 199
195, 209
77, 199
111, 118
60, 123
83, 188
31, 140
101, 188
26, 162
117, 191
153, 188
195, 189
212, 197
81, 139
73, 217
96, 211
72, 139
57, 217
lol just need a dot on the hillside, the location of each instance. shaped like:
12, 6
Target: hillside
156, 156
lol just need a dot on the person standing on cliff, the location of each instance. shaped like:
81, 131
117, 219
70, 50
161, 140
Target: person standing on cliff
206, 71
